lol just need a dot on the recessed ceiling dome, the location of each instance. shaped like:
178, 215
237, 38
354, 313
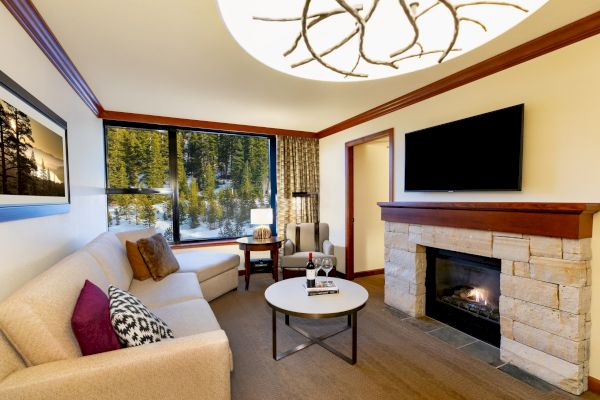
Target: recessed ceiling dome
335, 40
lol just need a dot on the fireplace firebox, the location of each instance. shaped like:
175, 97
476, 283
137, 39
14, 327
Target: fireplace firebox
463, 291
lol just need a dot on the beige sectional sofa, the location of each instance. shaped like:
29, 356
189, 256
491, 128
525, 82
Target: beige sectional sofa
40, 358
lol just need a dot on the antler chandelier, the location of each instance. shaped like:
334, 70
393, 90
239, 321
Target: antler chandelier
335, 40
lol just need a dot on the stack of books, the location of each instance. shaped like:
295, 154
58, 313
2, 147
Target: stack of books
322, 287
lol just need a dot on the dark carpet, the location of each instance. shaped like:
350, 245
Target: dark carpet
396, 360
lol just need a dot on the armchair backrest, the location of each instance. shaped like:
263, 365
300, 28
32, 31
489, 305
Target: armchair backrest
304, 238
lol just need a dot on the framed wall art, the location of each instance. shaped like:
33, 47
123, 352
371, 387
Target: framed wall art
34, 172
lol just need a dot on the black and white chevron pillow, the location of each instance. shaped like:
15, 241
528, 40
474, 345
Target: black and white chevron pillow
133, 323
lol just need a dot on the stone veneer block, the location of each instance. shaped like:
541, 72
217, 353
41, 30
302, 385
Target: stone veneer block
561, 323
507, 248
542, 293
561, 373
576, 300
564, 272
404, 272
522, 269
577, 249
394, 240
507, 307
568, 350
506, 327
396, 227
397, 295
544, 246
463, 240
507, 267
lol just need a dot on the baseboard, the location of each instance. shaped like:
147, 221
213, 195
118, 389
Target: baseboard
362, 274
593, 385
241, 272
340, 274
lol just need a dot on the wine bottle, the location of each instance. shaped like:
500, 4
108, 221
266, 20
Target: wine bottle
310, 272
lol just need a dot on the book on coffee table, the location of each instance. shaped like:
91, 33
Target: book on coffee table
322, 287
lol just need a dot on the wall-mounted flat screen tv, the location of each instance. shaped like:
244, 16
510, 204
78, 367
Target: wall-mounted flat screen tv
479, 153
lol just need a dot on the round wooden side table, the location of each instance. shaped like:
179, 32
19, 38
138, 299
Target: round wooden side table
272, 244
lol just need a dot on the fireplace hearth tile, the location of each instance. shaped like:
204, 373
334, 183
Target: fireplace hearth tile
526, 377
484, 352
425, 324
452, 336
397, 313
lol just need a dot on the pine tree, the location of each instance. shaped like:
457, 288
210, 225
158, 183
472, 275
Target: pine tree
5, 155
21, 143
154, 167
237, 162
146, 210
209, 183
181, 175
193, 206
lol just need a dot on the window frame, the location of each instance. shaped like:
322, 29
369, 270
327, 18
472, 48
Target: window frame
173, 173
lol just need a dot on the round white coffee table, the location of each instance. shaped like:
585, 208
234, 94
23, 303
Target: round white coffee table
289, 297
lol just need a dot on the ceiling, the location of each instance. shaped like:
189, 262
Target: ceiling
176, 58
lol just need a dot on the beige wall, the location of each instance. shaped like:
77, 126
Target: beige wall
28, 247
371, 184
561, 163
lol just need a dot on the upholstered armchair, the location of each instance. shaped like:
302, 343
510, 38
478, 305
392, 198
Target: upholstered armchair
302, 239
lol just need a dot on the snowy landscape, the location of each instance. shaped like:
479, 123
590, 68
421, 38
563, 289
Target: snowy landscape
220, 178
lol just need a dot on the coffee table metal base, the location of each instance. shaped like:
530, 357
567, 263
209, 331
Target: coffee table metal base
319, 340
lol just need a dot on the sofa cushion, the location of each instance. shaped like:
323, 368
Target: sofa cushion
158, 256
134, 236
175, 288
189, 318
9, 359
111, 256
138, 265
37, 318
91, 321
206, 264
133, 322
301, 258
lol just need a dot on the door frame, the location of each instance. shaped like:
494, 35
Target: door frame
389, 133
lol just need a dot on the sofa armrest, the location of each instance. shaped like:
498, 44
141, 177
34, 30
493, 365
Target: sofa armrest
288, 248
328, 248
195, 367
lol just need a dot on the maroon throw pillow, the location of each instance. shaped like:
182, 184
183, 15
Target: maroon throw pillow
91, 321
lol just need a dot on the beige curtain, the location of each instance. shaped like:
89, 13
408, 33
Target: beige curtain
297, 171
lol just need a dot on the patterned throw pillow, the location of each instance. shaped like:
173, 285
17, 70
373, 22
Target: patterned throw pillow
133, 323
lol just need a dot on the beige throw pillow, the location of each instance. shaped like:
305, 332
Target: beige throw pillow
158, 256
138, 265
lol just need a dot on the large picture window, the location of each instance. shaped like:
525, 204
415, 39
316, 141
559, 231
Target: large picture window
191, 185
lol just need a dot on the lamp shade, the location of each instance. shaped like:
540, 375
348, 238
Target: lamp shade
261, 216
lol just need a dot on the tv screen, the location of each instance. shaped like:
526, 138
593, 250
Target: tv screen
477, 153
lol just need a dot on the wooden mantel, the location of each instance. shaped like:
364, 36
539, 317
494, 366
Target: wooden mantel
565, 220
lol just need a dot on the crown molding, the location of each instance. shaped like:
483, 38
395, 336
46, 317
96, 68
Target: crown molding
561, 37
30, 19
199, 124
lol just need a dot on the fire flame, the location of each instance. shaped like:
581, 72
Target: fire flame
479, 296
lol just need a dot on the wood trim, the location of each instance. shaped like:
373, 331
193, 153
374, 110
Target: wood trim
564, 220
593, 385
208, 243
349, 212
350, 190
362, 274
561, 37
200, 124
30, 19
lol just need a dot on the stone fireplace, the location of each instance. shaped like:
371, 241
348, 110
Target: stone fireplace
545, 280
